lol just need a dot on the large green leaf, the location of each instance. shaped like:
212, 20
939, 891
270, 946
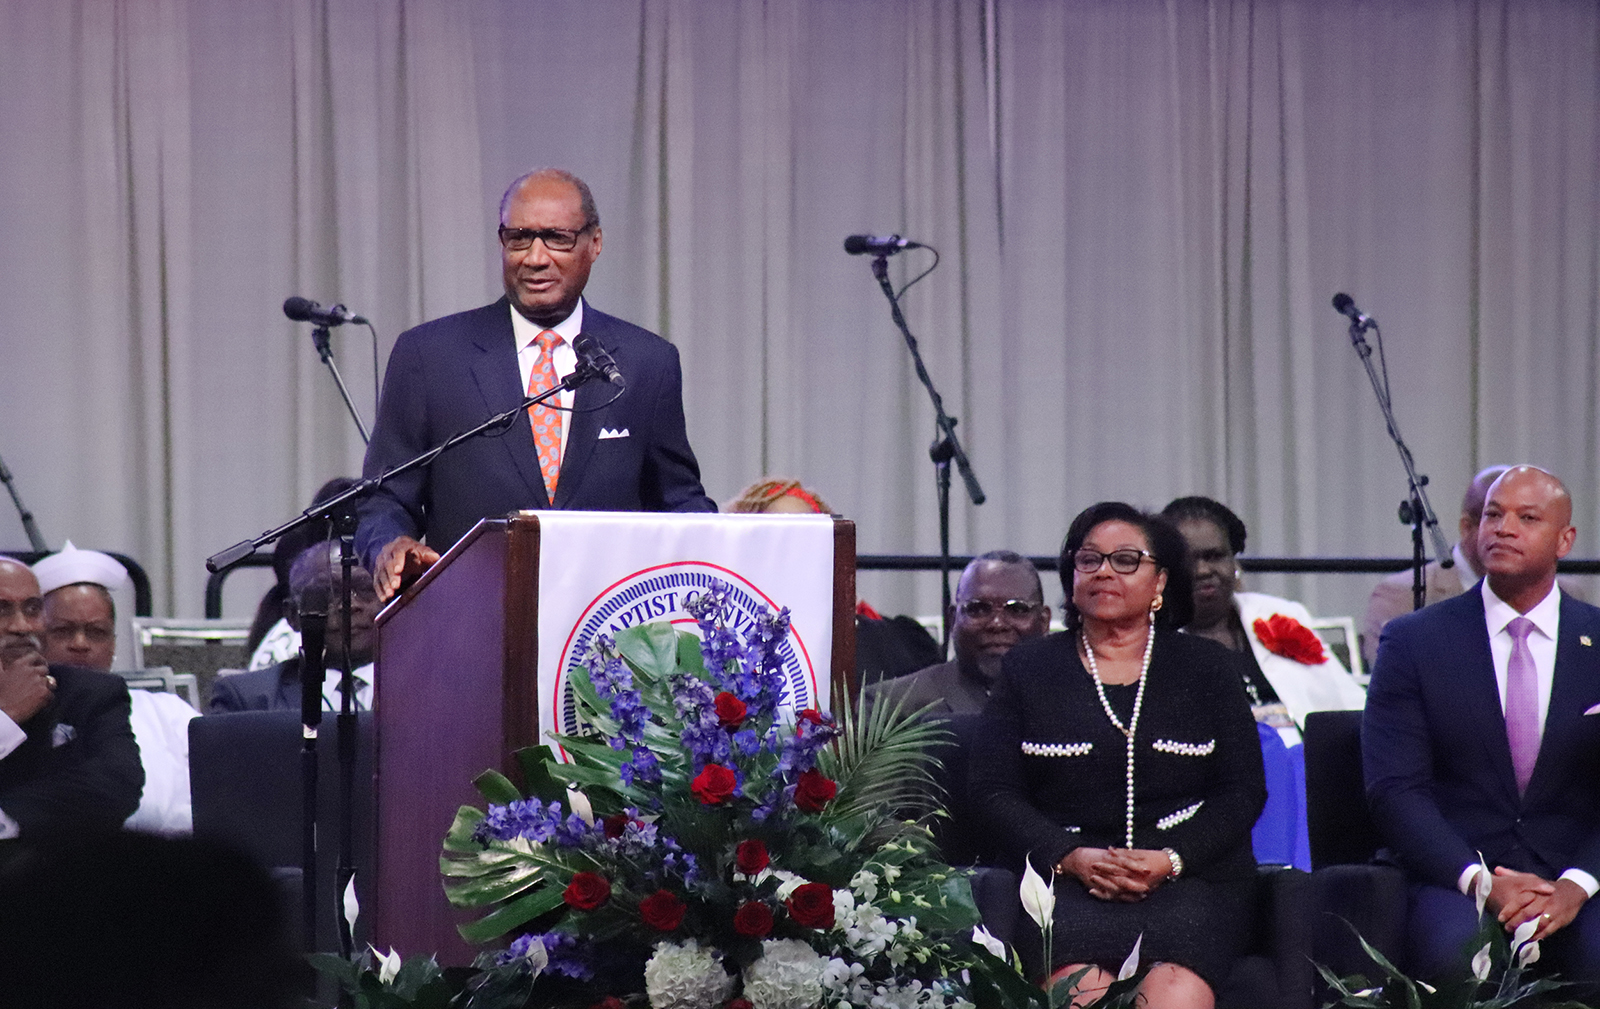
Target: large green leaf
497, 788
545, 776
651, 649
519, 912
459, 838
882, 760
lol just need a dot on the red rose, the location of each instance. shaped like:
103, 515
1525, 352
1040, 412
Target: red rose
811, 905
811, 715
662, 910
714, 785
615, 824
741, 1003
1288, 637
754, 919
612, 1002
751, 857
730, 711
587, 891
813, 791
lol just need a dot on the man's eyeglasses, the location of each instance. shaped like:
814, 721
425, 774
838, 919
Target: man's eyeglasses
1123, 562
983, 609
554, 239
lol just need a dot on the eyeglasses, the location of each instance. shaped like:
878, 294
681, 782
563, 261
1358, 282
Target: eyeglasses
983, 609
555, 239
1123, 562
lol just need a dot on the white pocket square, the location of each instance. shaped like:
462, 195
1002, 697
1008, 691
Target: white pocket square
63, 735
1595, 710
607, 432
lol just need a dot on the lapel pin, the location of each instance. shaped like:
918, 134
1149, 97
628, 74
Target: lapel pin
1583, 639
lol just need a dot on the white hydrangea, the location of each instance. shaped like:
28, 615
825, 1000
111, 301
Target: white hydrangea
686, 976
788, 975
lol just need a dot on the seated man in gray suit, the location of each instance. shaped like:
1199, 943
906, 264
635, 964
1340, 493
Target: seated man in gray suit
999, 602
314, 581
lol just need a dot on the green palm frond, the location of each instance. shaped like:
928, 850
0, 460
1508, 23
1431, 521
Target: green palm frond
883, 760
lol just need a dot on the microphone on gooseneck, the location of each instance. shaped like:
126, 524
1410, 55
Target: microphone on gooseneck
306, 310
878, 245
598, 358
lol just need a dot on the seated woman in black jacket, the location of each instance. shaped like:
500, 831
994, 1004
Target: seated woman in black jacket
1123, 756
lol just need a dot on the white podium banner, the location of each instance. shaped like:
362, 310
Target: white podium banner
602, 572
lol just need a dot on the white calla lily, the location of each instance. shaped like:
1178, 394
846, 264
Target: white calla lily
1480, 963
352, 907
1038, 897
579, 803
388, 966
1524, 932
1528, 954
1130, 966
1425, 986
982, 937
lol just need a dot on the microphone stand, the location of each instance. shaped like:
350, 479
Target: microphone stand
29, 526
946, 446
1415, 511
320, 339
340, 509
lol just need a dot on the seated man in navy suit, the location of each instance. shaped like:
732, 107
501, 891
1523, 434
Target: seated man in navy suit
1481, 736
314, 581
611, 452
68, 760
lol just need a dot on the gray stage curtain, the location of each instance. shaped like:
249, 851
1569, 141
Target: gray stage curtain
1143, 209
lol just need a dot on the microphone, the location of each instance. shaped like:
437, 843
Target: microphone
1346, 305
597, 357
306, 310
878, 245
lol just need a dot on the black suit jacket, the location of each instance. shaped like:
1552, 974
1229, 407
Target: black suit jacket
453, 373
275, 688
1049, 769
1438, 766
79, 767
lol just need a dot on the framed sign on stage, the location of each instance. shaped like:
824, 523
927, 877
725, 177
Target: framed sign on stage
474, 660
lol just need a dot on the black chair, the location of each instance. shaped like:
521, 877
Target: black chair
1349, 888
245, 781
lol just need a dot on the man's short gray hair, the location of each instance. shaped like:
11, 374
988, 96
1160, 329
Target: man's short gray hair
591, 214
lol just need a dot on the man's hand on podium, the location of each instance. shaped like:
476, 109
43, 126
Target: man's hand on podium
401, 562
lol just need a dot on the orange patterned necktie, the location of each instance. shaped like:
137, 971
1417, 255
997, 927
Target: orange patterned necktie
546, 419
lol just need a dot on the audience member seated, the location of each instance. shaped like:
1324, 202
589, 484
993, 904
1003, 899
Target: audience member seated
1392, 597
68, 760
999, 603
1122, 754
314, 584
1288, 673
142, 922
80, 619
886, 647
271, 640
1479, 742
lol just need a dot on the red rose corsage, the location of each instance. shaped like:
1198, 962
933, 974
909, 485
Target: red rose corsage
1291, 639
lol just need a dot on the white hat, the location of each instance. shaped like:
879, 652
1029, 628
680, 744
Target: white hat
71, 566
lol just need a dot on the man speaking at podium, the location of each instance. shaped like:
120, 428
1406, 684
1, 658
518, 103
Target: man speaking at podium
454, 373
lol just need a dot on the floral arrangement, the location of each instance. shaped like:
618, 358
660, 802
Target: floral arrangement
704, 847
1286, 636
1498, 972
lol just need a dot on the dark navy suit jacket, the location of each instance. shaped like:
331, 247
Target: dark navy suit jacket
1438, 765
276, 688
453, 373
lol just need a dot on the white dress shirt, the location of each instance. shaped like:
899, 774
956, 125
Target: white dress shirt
1546, 617
11, 737
330, 688
564, 357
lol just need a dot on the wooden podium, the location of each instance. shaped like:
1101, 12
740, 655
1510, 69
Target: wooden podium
458, 672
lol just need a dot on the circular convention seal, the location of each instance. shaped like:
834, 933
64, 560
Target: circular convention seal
660, 593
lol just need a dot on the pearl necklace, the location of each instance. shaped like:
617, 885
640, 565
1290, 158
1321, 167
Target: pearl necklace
1138, 706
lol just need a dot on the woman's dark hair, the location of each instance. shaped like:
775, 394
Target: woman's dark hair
1196, 507
1166, 544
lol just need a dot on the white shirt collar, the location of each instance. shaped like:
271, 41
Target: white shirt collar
526, 331
1546, 614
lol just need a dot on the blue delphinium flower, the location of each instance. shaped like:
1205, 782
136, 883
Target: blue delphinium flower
565, 955
525, 818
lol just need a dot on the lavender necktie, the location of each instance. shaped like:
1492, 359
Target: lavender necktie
1522, 703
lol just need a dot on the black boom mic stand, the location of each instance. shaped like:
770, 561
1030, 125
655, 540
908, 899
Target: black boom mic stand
945, 447
341, 510
1415, 511
29, 526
